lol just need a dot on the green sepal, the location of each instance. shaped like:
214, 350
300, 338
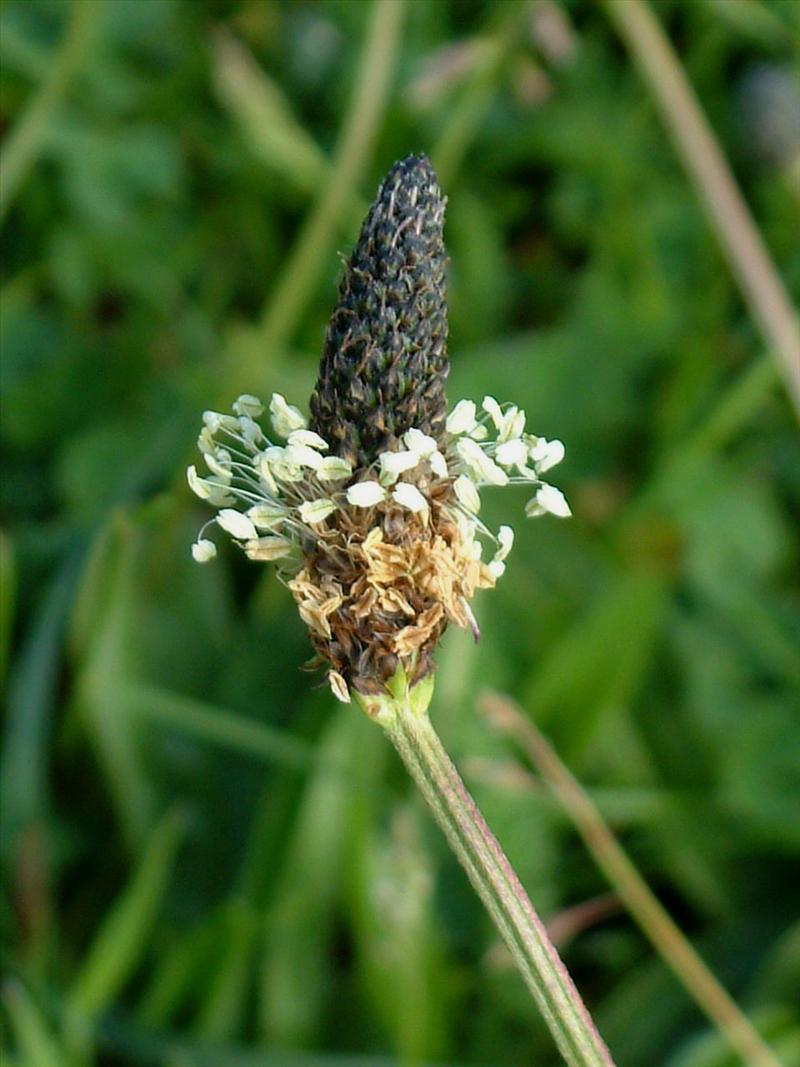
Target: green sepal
399, 697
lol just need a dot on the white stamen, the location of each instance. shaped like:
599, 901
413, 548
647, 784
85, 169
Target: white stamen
546, 454
266, 549
496, 568
285, 417
280, 464
438, 464
466, 527
263, 464
491, 406
477, 460
527, 472
215, 421
236, 524
313, 511
408, 496
219, 463
250, 431
505, 540
365, 494
334, 469
512, 425
462, 418
338, 687
288, 472
196, 483
309, 439
471, 620
266, 516
420, 443
551, 500
512, 453
206, 442
302, 456
209, 489
247, 404
203, 550
393, 464
466, 493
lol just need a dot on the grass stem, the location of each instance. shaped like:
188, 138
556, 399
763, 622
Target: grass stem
25, 141
759, 281
469, 110
638, 898
311, 249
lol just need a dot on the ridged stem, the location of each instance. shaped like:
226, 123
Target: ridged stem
498, 886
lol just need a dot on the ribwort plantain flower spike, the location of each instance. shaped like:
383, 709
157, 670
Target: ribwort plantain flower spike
370, 509
384, 363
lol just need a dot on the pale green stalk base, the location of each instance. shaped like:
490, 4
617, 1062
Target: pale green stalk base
405, 720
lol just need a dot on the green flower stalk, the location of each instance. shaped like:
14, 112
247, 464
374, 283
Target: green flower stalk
370, 512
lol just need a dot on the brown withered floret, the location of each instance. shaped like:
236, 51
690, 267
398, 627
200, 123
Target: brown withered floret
380, 585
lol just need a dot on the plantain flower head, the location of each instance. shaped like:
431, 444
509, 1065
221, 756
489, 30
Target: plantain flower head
370, 508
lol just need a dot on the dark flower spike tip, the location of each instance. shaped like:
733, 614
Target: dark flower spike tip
384, 363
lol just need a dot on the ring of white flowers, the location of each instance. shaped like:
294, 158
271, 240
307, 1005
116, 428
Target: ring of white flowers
269, 494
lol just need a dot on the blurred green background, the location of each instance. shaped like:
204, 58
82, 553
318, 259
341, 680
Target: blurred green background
209, 864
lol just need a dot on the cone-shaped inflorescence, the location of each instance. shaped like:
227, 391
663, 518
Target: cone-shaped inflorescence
384, 364
371, 512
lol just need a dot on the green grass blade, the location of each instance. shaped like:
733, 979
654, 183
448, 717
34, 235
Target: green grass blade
263, 113
122, 939
8, 589
25, 141
37, 1044
33, 693
216, 725
107, 662
633, 890
294, 981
